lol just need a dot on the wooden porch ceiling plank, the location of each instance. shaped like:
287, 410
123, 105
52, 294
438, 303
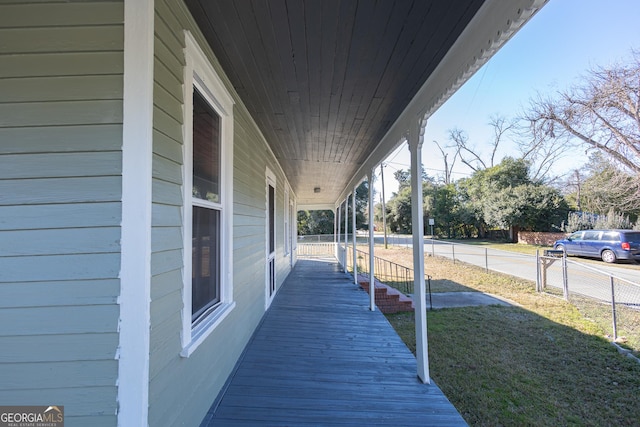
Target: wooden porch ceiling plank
344, 29
299, 97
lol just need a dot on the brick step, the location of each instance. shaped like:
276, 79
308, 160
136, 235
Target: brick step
388, 300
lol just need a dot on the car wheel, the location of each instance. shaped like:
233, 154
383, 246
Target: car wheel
560, 248
608, 256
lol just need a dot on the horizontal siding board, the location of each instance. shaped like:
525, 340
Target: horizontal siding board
60, 216
163, 262
59, 267
62, 64
98, 402
164, 308
60, 14
62, 39
166, 193
166, 124
171, 62
167, 103
60, 113
61, 88
166, 238
165, 343
60, 241
165, 216
174, 43
167, 170
59, 348
57, 139
60, 374
61, 293
167, 147
60, 190
60, 165
165, 283
167, 80
58, 320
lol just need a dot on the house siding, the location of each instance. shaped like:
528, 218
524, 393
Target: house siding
60, 211
195, 381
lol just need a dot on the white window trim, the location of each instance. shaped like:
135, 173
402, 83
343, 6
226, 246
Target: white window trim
198, 72
270, 180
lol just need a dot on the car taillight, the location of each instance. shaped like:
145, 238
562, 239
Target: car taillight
626, 246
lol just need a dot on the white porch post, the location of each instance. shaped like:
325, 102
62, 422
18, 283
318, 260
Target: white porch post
417, 221
353, 229
372, 294
346, 231
336, 233
135, 270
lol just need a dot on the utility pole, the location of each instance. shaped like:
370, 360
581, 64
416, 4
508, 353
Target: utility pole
384, 209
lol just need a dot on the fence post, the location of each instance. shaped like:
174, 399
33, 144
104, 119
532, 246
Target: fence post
565, 281
613, 309
486, 259
538, 284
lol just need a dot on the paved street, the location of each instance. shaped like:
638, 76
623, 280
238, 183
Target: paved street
587, 279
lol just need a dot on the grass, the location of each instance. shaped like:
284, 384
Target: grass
538, 362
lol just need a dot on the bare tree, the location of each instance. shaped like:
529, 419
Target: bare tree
448, 168
471, 156
602, 113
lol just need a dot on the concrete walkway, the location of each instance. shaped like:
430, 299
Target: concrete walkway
464, 299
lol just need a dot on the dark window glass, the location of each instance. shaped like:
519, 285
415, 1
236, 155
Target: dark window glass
591, 235
206, 150
205, 252
272, 227
632, 237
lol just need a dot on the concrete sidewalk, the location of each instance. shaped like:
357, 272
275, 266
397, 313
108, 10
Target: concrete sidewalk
465, 299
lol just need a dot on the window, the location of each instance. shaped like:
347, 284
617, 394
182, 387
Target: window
208, 157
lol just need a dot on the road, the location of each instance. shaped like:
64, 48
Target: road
586, 279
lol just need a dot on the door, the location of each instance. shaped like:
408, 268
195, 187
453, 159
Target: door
271, 238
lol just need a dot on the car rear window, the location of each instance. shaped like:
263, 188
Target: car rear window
632, 237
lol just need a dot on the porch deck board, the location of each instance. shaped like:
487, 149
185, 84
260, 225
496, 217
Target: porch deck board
320, 357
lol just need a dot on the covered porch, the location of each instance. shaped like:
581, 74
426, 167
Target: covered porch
321, 357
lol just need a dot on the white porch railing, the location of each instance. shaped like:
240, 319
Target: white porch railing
316, 249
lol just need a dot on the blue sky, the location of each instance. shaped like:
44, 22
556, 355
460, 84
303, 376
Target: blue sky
550, 53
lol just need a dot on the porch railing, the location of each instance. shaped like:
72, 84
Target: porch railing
395, 275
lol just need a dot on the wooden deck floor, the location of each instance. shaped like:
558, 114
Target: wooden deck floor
322, 358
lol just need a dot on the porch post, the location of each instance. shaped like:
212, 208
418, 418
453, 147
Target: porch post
372, 293
353, 230
346, 230
135, 256
417, 224
336, 233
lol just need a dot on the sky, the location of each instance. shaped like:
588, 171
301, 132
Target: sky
549, 53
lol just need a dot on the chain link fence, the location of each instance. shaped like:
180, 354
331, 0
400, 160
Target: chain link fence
610, 301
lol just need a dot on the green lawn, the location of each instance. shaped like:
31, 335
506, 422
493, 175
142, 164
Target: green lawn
538, 362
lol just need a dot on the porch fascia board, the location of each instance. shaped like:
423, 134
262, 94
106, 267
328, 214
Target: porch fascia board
494, 24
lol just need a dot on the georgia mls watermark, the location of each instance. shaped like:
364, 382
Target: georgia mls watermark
32, 416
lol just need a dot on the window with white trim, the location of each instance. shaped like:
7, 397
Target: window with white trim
207, 174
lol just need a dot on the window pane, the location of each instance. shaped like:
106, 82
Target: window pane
206, 150
205, 252
272, 220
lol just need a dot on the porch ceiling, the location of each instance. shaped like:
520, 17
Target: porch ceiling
326, 80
